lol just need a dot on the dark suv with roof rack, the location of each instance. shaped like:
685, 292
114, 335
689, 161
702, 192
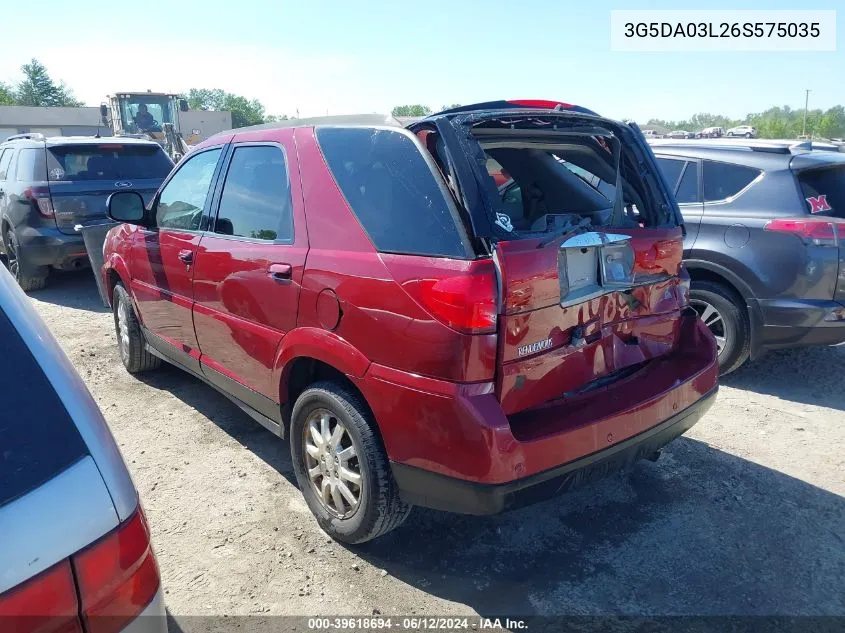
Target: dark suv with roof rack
765, 243
48, 186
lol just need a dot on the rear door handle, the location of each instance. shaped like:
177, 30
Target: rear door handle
281, 272
186, 256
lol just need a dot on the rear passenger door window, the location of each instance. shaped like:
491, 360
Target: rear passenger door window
393, 192
256, 202
181, 202
723, 180
671, 169
688, 187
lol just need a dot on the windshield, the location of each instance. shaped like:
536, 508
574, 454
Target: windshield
146, 113
109, 161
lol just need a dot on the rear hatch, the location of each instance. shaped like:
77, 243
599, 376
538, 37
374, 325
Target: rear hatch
821, 179
82, 176
587, 242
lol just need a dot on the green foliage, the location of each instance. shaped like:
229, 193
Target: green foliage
244, 111
411, 110
776, 122
38, 89
449, 107
7, 94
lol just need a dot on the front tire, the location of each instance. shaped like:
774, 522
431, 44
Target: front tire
17, 265
341, 466
725, 316
130, 340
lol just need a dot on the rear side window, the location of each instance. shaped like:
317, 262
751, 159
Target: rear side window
38, 440
392, 191
109, 161
31, 165
688, 187
5, 159
723, 180
256, 200
824, 190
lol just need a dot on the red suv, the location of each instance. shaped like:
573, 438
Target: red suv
366, 290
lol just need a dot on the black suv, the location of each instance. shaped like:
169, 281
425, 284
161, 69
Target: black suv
765, 245
50, 185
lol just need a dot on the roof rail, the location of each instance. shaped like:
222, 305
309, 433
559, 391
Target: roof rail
35, 136
752, 145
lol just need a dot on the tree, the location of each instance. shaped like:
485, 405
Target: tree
244, 111
7, 94
411, 110
449, 107
38, 89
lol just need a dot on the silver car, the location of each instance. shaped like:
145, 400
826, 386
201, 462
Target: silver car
75, 551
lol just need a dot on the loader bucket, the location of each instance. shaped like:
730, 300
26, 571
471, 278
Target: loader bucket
94, 235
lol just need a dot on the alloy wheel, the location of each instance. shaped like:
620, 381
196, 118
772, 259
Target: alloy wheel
123, 329
12, 260
331, 459
713, 320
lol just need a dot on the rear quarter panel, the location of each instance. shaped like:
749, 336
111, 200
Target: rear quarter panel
766, 265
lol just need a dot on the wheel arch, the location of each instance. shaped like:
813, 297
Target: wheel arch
707, 271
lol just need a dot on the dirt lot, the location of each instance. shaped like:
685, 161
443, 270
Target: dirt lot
744, 515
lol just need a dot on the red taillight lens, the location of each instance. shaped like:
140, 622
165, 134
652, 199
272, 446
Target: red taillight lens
465, 302
40, 197
117, 577
44, 604
816, 231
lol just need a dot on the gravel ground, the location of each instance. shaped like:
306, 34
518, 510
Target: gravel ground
743, 515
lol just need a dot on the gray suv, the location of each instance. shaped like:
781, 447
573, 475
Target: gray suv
50, 185
765, 243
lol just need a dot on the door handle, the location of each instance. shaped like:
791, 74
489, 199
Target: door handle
280, 272
186, 256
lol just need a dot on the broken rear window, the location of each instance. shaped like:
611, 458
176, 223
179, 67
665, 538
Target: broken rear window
562, 173
393, 192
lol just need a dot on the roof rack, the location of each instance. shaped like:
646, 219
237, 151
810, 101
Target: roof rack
752, 145
35, 136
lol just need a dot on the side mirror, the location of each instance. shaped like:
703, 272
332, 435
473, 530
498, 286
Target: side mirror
104, 110
183, 105
127, 206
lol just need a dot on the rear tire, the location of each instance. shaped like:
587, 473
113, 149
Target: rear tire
130, 340
378, 507
18, 267
725, 315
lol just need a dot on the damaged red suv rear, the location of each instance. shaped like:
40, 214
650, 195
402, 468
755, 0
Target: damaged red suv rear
472, 313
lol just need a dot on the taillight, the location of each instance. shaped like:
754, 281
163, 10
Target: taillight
117, 576
41, 200
816, 231
465, 302
44, 604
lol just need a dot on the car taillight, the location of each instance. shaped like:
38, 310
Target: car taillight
816, 231
46, 603
40, 198
465, 302
117, 576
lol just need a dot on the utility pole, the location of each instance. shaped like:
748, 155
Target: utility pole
806, 101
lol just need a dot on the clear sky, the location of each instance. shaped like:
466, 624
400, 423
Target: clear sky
344, 57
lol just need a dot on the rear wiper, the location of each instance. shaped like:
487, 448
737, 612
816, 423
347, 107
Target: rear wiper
566, 231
